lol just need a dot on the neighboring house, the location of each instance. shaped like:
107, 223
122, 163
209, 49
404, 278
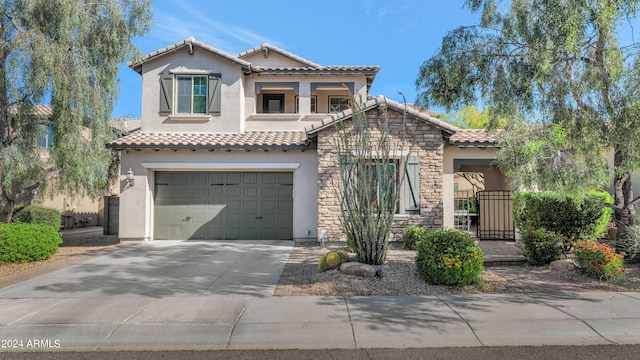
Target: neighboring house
241, 147
77, 211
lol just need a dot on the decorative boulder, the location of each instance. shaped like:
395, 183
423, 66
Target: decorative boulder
562, 265
359, 269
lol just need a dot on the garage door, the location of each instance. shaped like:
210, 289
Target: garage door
223, 205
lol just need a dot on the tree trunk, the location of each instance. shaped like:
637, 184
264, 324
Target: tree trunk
6, 207
623, 197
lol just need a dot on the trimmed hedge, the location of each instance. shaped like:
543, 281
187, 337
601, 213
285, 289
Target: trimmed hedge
20, 242
36, 214
412, 235
540, 246
449, 257
571, 215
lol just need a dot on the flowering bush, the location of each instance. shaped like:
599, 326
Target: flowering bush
449, 257
599, 260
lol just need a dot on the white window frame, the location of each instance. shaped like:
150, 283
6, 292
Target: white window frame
192, 94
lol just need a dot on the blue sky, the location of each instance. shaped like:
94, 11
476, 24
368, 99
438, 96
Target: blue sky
397, 35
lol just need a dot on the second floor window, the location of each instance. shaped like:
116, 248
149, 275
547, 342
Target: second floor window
273, 103
338, 103
184, 94
192, 95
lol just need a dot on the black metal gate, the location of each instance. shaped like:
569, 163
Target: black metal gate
495, 221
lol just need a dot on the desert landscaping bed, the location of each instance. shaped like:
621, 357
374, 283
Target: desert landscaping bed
302, 277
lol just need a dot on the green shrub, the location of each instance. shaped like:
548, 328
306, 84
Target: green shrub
36, 214
599, 260
21, 243
449, 257
540, 246
412, 235
571, 215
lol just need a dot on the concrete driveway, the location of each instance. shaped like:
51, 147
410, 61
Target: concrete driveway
167, 268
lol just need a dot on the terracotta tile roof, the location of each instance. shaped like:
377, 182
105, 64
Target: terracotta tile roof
251, 140
379, 101
188, 43
37, 110
276, 49
475, 138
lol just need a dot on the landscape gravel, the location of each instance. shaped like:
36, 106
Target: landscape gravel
400, 277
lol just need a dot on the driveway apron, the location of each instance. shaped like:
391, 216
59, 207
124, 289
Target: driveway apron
167, 268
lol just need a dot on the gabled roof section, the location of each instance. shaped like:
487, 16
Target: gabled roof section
190, 44
382, 101
268, 47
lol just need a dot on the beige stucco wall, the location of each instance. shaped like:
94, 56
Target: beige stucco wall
136, 202
75, 207
428, 146
494, 180
232, 114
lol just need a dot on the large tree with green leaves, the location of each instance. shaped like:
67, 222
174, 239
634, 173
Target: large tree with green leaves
553, 62
470, 117
67, 53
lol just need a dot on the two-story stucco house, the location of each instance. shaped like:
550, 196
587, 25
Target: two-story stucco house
240, 147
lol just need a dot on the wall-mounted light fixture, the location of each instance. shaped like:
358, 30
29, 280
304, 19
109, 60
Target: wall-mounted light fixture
131, 178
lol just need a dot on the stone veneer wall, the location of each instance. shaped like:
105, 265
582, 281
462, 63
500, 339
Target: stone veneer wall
428, 145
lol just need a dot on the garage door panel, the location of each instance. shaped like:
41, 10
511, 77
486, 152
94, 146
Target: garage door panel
223, 205
269, 205
234, 218
249, 205
269, 192
234, 191
233, 178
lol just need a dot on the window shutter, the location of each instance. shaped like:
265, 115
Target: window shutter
214, 94
412, 184
166, 93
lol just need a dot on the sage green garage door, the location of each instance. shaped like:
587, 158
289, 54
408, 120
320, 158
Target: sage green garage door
223, 205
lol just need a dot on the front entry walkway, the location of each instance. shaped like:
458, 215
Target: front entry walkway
167, 268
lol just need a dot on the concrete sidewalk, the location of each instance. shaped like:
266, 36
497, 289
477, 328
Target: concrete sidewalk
247, 322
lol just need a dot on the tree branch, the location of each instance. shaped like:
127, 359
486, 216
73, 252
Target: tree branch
50, 174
